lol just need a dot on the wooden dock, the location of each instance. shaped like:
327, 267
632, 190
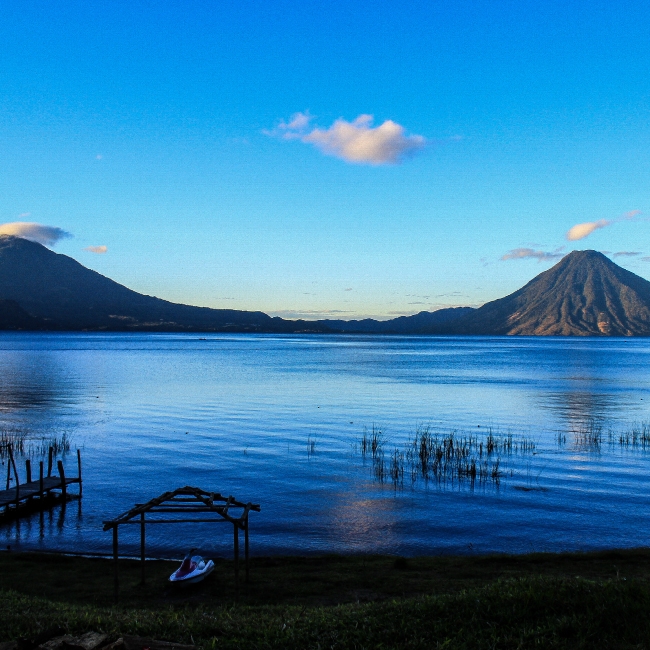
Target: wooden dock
37, 493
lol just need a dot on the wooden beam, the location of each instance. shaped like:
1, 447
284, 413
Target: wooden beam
246, 546
110, 524
116, 577
64, 487
28, 474
142, 555
236, 544
79, 471
12, 462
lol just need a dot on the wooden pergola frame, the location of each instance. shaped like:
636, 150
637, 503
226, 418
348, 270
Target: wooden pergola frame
195, 506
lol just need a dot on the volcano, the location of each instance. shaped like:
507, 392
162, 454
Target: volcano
584, 294
59, 293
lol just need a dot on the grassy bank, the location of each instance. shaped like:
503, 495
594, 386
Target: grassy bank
541, 600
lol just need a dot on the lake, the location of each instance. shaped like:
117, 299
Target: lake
280, 421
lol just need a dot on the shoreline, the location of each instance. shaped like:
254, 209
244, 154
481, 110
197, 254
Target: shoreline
565, 600
325, 579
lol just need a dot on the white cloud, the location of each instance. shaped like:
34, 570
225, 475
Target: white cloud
296, 126
100, 250
356, 142
540, 256
626, 254
582, 230
46, 235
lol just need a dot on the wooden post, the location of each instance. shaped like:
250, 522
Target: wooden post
236, 540
116, 578
246, 546
142, 524
50, 455
41, 494
8, 478
64, 488
12, 462
79, 471
28, 475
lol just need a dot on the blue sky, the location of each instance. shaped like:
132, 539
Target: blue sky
167, 133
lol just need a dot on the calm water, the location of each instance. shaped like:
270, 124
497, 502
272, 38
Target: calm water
277, 420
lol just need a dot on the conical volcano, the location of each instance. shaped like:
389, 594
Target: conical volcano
584, 294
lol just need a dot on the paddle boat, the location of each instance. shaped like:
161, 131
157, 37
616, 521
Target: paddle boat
193, 569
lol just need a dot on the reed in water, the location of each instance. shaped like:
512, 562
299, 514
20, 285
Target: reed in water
430, 455
27, 445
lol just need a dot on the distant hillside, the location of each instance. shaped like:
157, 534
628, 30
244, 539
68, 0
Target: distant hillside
402, 325
14, 317
67, 295
584, 294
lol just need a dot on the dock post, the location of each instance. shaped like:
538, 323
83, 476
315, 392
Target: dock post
28, 475
142, 556
12, 462
246, 546
64, 489
79, 471
50, 455
116, 578
8, 479
41, 493
236, 540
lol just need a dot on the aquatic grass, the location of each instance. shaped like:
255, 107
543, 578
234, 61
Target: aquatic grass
14, 438
372, 441
588, 434
479, 457
59, 445
397, 467
431, 456
591, 435
311, 446
459, 456
638, 435
27, 445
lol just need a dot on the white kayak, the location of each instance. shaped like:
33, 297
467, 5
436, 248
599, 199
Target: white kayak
193, 569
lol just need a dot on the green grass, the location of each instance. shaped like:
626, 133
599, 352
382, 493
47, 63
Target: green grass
536, 601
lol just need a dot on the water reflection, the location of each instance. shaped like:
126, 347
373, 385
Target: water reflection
30, 381
46, 525
576, 407
361, 523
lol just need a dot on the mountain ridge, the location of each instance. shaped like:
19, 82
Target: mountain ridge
400, 325
584, 294
67, 295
